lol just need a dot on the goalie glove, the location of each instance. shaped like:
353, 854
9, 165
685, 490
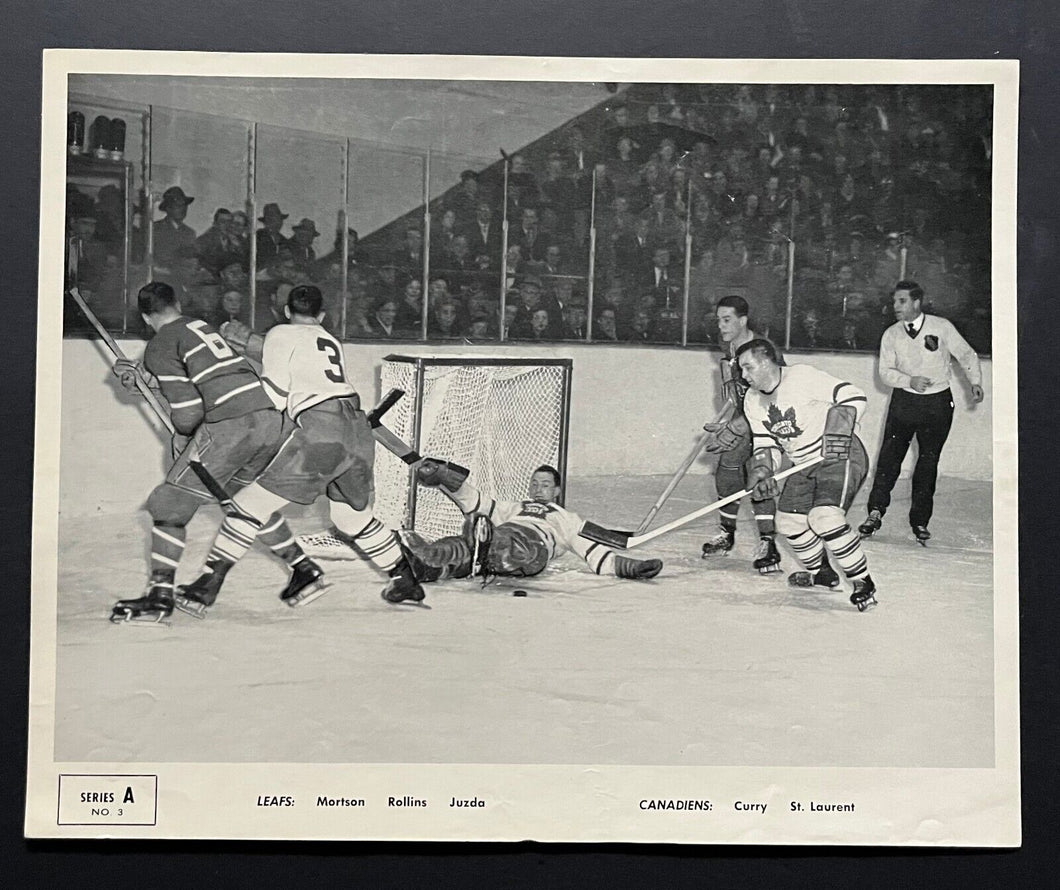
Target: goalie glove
243, 339
838, 431
439, 473
760, 478
726, 436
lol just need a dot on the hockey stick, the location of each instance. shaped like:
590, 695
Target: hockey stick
723, 415
672, 484
384, 436
627, 540
212, 485
112, 345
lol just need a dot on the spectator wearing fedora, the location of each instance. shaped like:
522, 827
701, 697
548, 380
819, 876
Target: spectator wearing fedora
301, 245
270, 240
173, 239
217, 246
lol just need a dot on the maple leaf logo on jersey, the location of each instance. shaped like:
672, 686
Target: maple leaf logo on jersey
535, 508
783, 426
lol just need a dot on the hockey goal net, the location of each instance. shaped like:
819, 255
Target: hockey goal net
499, 417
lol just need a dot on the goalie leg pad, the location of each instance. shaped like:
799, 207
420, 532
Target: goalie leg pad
516, 550
448, 557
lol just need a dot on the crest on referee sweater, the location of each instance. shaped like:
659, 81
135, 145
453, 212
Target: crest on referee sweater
782, 426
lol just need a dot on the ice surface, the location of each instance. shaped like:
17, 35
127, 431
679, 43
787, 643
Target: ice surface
710, 664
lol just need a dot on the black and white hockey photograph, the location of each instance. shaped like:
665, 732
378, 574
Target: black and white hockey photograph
451, 448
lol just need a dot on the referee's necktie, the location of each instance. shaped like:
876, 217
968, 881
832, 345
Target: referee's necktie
911, 329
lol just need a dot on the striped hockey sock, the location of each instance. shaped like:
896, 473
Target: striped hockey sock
276, 534
167, 547
727, 516
845, 545
809, 549
233, 540
376, 543
765, 512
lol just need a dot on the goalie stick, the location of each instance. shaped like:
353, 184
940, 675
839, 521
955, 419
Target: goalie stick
626, 540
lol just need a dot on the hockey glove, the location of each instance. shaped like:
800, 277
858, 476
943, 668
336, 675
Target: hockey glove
127, 371
838, 431
242, 339
726, 436
760, 476
435, 473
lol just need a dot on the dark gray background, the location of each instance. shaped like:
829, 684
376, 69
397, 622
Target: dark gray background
660, 28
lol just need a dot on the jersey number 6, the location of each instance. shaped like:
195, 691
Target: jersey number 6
334, 357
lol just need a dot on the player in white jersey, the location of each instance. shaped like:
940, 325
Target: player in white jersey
512, 538
329, 450
802, 412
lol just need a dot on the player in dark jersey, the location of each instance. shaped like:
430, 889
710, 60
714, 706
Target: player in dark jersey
329, 450
224, 420
730, 439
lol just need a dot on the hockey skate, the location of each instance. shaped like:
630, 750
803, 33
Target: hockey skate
152, 608
825, 576
636, 569
721, 543
767, 557
403, 586
307, 584
922, 535
872, 524
864, 595
195, 598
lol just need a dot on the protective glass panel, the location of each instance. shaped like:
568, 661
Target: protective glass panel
299, 211
465, 247
386, 272
104, 177
198, 169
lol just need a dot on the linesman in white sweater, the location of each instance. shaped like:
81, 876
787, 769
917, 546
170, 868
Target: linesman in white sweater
915, 359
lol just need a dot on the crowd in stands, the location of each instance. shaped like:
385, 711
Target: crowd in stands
871, 184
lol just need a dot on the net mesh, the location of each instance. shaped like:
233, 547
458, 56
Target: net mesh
501, 421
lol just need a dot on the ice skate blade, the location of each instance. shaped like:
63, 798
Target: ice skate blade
770, 570
308, 595
126, 618
865, 605
416, 604
190, 607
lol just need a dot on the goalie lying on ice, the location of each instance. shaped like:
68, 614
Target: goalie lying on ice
512, 538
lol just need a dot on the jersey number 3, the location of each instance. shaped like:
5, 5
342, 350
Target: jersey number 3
334, 358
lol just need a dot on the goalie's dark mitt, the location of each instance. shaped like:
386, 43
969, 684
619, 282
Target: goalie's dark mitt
439, 473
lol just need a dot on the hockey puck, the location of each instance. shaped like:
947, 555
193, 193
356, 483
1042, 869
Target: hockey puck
518, 593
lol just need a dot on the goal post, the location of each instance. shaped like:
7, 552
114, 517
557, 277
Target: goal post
499, 417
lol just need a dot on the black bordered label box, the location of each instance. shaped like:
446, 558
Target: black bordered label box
86, 799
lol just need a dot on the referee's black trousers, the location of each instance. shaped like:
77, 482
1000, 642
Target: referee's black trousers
928, 417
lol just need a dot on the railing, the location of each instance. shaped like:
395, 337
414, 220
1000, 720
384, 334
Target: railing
560, 256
